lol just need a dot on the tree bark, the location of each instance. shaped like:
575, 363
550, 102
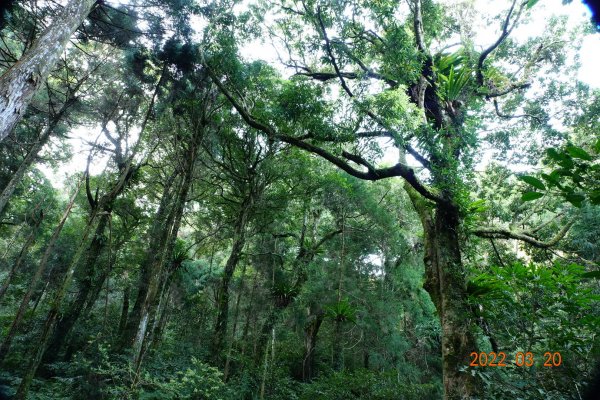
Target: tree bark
160, 277
445, 282
157, 239
31, 156
20, 82
310, 343
66, 323
236, 314
124, 310
36, 278
337, 350
39, 350
239, 240
28, 243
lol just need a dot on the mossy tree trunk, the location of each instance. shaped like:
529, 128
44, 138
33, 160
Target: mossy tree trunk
22, 80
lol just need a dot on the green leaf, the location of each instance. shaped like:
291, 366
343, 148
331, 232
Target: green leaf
591, 275
531, 196
578, 152
552, 178
535, 182
595, 197
575, 199
478, 206
597, 146
531, 3
552, 153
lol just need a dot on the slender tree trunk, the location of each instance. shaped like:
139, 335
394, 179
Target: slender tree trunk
266, 364
36, 278
124, 310
157, 239
236, 314
164, 313
26, 246
30, 159
39, 298
92, 278
161, 277
265, 332
52, 315
20, 82
239, 240
149, 288
250, 315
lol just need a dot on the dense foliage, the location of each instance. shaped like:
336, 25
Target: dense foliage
388, 200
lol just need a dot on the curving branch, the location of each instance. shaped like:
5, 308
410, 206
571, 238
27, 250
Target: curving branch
418, 26
372, 174
522, 235
506, 30
506, 116
509, 89
330, 53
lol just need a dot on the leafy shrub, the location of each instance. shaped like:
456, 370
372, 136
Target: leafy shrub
368, 385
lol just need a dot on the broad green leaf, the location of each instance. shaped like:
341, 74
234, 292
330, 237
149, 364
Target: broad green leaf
578, 152
575, 199
531, 196
552, 153
591, 275
531, 3
535, 182
595, 197
597, 146
552, 178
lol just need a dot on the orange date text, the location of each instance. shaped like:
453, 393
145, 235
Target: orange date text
521, 359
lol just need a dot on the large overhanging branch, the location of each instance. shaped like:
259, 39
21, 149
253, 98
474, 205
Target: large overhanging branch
410, 150
371, 174
523, 235
324, 76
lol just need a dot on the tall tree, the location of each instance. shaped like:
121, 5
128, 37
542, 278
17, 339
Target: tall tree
424, 110
23, 79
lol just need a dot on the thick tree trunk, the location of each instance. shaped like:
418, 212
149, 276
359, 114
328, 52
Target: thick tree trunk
310, 343
36, 278
337, 351
458, 340
66, 323
446, 283
19, 83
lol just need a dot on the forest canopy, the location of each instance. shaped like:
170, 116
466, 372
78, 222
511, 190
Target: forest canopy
299, 199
